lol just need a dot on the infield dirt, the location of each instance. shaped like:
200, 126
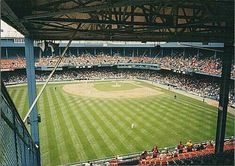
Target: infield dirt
88, 90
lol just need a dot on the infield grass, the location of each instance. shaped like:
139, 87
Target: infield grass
114, 86
75, 128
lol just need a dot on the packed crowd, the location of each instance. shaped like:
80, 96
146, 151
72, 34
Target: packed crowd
87, 59
209, 65
187, 152
13, 63
180, 148
203, 87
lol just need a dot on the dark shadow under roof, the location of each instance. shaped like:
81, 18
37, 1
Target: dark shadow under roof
125, 20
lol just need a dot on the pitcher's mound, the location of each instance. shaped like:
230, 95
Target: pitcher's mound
116, 85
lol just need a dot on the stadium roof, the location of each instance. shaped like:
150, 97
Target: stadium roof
124, 20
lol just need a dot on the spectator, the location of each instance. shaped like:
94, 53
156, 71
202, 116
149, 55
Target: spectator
209, 145
189, 146
209, 65
180, 147
199, 147
155, 151
203, 87
144, 155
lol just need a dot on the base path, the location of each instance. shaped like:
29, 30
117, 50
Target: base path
88, 90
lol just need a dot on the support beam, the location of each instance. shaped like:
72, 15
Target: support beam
30, 69
215, 54
94, 51
198, 52
48, 21
7, 53
223, 99
102, 6
59, 50
40, 53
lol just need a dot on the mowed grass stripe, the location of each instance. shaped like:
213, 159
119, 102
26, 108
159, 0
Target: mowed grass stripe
17, 99
59, 134
176, 107
203, 108
187, 109
212, 111
12, 90
149, 120
91, 130
190, 104
44, 144
163, 123
195, 113
195, 102
147, 124
174, 111
230, 126
135, 118
88, 130
81, 135
123, 123
24, 105
51, 134
115, 137
80, 149
76, 120
69, 145
114, 125
108, 148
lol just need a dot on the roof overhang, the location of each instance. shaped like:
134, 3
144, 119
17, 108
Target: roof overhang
125, 20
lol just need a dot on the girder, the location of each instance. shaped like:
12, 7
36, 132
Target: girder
125, 19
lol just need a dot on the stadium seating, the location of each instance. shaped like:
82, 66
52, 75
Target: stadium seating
201, 157
10, 64
209, 65
197, 84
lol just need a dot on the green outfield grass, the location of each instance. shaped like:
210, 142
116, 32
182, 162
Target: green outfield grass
75, 128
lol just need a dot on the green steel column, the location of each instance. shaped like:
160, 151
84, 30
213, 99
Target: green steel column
30, 69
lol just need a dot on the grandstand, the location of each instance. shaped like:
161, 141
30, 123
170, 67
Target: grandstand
102, 82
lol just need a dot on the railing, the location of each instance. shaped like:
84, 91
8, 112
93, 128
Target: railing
16, 145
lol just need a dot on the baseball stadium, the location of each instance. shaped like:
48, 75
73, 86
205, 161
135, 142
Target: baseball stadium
87, 82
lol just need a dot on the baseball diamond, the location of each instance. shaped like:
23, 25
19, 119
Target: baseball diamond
81, 123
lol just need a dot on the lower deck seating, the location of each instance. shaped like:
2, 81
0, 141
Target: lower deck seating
202, 157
